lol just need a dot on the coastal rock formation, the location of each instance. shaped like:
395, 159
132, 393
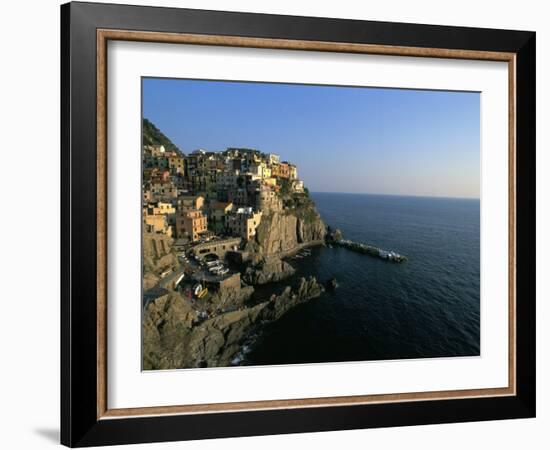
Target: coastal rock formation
334, 234
230, 297
173, 339
268, 270
332, 284
149, 280
246, 208
216, 341
166, 321
282, 233
306, 290
157, 253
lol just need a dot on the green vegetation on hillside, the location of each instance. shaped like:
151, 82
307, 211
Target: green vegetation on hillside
153, 136
294, 200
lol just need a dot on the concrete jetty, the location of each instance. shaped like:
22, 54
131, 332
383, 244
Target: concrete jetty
371, 250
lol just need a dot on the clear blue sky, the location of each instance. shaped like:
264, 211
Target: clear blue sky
360, 140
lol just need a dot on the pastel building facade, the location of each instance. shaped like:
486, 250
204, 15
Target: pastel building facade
192, 224
244, 222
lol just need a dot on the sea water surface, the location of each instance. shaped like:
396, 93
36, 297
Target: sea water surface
426, 307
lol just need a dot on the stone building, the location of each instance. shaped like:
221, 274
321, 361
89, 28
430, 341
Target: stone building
281, 170
176, 164
292, 172
189, 202
191, 223
298, 186
163, 209
160, 176
218, 215
238, 196
244, 222
156, 224
268, 200
163, 191
259, 170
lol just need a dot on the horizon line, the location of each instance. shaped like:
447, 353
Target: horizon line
397, 195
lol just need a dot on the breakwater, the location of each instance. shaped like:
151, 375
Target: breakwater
370, 250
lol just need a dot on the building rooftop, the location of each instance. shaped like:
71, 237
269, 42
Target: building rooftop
221, 205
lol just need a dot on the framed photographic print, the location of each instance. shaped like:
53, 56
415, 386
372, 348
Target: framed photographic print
276, 224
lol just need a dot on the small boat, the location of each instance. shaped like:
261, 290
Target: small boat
199, 291
165, 273
202, 293
179, 280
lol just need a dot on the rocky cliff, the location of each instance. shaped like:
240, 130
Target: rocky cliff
268, 270
284, 232
157, 252
157, 257
173, 339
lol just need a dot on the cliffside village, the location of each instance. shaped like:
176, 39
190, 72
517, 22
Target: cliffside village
202, 195
217, 226
203, 253
204, 206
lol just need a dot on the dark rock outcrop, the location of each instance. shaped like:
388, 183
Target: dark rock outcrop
332, 284
157, 253
268, 270
166, 321
307, 289
230, 297
173, 339
334, 234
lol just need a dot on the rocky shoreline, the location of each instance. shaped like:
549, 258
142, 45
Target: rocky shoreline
183, 333
268, 270
173, 339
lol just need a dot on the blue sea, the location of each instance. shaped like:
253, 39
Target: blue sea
426, 307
